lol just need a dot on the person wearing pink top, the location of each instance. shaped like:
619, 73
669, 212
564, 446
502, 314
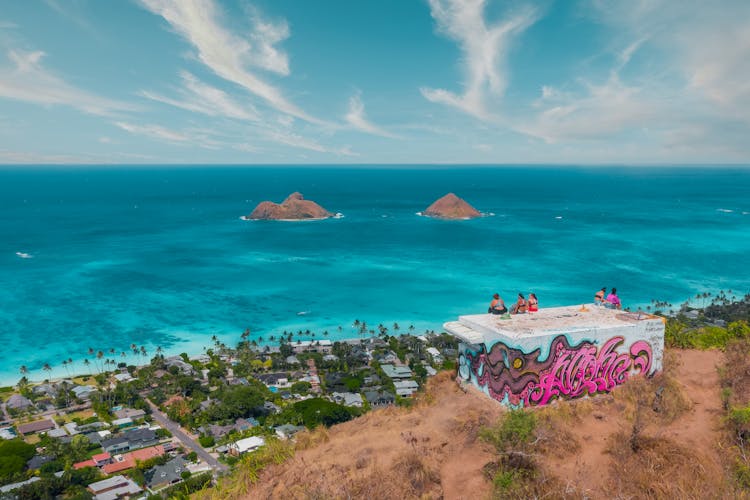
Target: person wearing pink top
613, 301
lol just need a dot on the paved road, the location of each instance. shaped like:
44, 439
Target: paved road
186, 440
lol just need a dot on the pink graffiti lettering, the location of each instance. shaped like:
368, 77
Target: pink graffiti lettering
583, 370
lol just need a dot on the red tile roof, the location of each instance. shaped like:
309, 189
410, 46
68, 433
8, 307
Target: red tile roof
86, 463
129, 459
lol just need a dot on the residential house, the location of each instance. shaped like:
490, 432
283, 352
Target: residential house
14, 486
37, 461
129, 460
388, 357
279, 380
163, 475
38, 426
113, 488
271, 407
405, 387
437, 358
123, 377
99, 460
58, 433
83, 391
130, 413
185, 368
18, 402
246, 445
123, 422
130, 440
348, 399
379, 398
396, 371
287, 431
292, 360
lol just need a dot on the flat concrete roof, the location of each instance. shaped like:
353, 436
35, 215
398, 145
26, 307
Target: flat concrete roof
479, 328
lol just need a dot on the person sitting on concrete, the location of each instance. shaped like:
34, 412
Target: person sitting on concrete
599, 297
533, 303
613, 301
497, 306
520, 306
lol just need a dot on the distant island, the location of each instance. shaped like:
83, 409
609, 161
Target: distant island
294, 207
451, 206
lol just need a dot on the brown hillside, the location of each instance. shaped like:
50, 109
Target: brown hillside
582, 449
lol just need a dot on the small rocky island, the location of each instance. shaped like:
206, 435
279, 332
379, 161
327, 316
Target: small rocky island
295, 207
451, 206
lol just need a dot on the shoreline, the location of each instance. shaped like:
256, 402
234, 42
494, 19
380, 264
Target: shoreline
55, 376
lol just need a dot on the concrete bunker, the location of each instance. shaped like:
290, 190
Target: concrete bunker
556, 353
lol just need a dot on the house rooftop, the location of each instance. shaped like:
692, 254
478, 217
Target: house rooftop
481, 328
39, 425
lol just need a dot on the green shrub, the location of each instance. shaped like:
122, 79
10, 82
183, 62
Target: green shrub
206, 441
514, 430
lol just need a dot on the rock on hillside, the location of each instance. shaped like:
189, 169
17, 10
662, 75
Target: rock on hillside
451, 206
295, 207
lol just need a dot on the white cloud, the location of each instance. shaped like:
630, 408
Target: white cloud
297, 141
202, 98
228, 55
484, 48
153, 131
599, 111
26, 80
356, 117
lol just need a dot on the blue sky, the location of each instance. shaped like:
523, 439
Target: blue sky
387, 81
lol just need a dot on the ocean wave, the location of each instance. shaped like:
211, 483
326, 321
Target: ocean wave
724, 210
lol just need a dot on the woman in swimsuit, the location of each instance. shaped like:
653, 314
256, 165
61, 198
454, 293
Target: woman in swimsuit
533, 303
520, 306
497, 306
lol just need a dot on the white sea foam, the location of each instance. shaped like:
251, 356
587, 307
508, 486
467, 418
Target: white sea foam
725, 210
558, 217
24, 255
303, 313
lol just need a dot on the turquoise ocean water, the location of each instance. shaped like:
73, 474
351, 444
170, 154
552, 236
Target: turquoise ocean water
159, 257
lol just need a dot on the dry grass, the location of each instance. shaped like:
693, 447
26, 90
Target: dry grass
662, 469
309, 439
662, 395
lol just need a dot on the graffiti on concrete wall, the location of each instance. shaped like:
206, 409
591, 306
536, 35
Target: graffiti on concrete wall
519, 378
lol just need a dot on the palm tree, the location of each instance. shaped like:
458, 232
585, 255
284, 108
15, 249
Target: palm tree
99, 356
325, 333
86, 363
47, 368
23, 370
65, 365
396, 327
159, 350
